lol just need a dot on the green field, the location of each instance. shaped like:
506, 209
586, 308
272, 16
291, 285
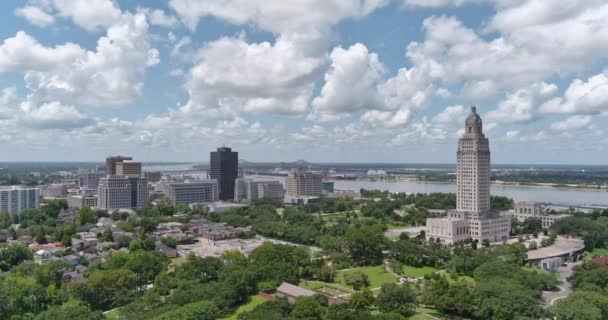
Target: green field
599, 252
112, 314
377, 276
414, 272
254, 301
460, 279
425, 314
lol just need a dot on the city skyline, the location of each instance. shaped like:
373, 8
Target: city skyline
357, 82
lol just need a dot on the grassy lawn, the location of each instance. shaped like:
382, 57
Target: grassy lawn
460, 279
254, 301
414, 272
377, 276
599, 252
177, 261
425, 314
314, 285
112, 314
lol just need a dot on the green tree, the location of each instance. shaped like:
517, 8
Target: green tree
85, 215
13, 255
362, 300
356, 279
307, 308
107, 235
165, 207
365, 245
581, 304
398, 298
201, 310
111, 288
70, 310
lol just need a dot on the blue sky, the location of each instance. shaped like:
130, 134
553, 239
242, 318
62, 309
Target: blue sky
321, 80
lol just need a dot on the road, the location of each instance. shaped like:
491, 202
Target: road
549, 297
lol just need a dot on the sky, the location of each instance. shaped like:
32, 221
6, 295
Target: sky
387, 81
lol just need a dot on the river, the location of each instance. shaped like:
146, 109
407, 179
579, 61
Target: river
517, 193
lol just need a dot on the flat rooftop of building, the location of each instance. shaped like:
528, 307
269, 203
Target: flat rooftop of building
562, 246
295, 291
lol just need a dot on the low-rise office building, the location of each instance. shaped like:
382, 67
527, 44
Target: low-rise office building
535, 210
80, 200
193, 192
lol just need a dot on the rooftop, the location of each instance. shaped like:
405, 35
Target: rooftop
294, 290
562, 246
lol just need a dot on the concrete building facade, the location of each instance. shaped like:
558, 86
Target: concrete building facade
224, 168
302, 183
535, 210
194, 192
89, 180
121, 192
81, 200
128, 168
111, 163
246, 189
13, 199
472, 193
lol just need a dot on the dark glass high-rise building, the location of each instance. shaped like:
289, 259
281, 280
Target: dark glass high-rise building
224, 167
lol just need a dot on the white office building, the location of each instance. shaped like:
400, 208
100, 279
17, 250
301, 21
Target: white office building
201, 191
13, 199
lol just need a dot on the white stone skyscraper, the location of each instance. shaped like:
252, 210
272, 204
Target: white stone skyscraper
473, 168
473, 218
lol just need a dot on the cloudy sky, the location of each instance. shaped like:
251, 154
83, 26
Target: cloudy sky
321, 80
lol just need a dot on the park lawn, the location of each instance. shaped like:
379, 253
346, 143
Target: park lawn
315, 285
414, 272
420, 317
253, 302
599, 252
112, 314
177, 261
430, 311
377, 276
460, 279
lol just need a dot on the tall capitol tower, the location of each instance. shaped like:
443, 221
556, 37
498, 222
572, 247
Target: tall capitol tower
473, 218
473, 168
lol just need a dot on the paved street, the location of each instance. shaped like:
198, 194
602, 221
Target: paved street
549, 297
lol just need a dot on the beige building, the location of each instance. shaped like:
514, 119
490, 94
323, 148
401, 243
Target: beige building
81, 200
529, 209
122, 192
128, 168
247, 189
303, 184
472, 193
